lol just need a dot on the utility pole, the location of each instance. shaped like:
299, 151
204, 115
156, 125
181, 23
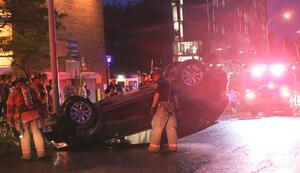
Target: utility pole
53, 57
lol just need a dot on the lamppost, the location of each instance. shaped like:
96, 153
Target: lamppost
285, 16
108, 61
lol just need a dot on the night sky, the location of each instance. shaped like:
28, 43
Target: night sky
279, 27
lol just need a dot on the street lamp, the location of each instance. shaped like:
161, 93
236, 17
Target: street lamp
108, 61
285, 16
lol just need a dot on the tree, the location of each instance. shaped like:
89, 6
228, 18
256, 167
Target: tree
29, 44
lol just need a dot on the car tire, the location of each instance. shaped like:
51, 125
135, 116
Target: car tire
189, 76
79, 119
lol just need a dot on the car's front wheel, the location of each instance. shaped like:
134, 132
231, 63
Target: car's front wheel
80, 119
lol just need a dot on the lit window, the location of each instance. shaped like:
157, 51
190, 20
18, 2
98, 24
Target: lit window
176, 26
181, 30
175, 16
181, 14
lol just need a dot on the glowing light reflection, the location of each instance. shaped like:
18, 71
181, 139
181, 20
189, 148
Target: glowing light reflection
259, 70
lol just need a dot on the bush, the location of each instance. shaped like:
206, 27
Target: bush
9, 146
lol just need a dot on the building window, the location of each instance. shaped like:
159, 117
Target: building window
181, 14
176, 26
224, 3
181, 30
216, 3
175, 16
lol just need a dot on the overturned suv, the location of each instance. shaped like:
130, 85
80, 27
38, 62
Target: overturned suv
201, 92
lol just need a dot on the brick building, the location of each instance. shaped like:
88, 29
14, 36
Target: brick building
84, 26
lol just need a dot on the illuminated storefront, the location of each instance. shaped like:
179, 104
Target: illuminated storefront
5, 36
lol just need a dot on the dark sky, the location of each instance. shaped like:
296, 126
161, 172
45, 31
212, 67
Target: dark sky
279, 26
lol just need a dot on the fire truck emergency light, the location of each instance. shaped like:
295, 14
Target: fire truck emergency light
285, 92
277, 70
250, 95
258, 70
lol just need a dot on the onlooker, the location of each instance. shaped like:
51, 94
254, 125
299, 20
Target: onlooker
113, 88
88, 92
4, 93
233, 100
49, 92
69, 90
23, 114
49, 86
82, 90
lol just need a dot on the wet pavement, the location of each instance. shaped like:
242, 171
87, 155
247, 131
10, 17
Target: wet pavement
234, 145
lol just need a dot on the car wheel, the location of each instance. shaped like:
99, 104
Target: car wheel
189, 75
80, 119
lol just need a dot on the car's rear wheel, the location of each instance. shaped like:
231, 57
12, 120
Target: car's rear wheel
80, 119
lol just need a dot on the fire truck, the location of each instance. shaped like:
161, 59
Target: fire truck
269, 89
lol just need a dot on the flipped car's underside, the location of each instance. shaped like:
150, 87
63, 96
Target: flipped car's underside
201, 92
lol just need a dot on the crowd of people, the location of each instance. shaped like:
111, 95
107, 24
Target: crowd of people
70, 90
25, 103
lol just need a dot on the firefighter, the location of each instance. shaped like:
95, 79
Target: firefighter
164, 116
37, 85
23, 114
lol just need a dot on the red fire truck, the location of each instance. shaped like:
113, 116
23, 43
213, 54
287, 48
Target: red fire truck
269, 89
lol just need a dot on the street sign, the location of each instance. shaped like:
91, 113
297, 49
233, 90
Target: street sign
68, 48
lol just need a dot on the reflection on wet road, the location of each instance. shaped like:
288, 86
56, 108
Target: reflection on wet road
231, 146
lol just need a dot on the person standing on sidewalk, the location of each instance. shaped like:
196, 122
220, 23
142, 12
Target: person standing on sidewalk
23, 114
69, 90
164, 116
82, 90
